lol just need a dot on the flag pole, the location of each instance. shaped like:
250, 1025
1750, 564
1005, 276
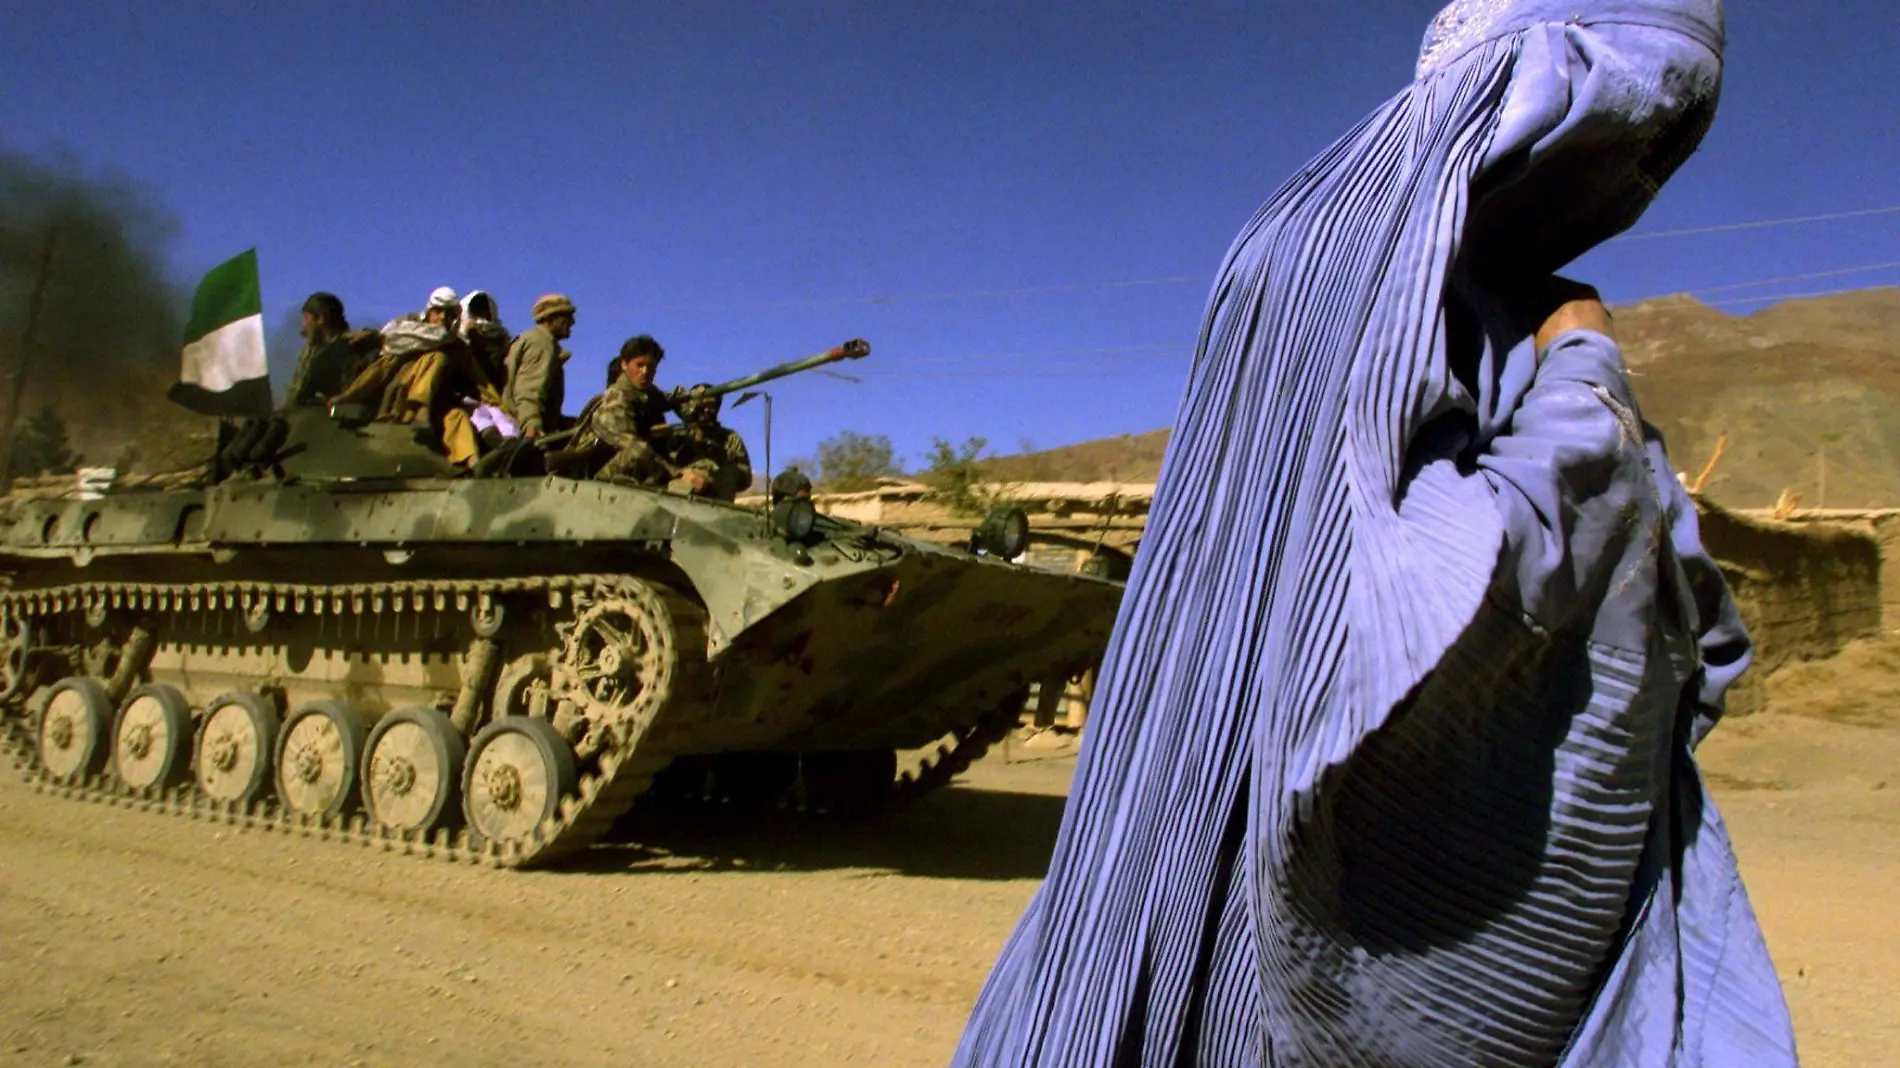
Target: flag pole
16, 384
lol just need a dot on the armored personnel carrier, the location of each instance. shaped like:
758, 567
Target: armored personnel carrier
352, 640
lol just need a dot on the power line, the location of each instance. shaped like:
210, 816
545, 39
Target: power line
1185, 279
1097, 352
1029, 363
1760, 224
1168, 355
1836, 273
1791, 296
919, 298
1171, 354
1071, 371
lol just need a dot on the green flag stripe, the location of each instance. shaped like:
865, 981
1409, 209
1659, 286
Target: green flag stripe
228, 293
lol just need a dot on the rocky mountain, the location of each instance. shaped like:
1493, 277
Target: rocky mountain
1807, 392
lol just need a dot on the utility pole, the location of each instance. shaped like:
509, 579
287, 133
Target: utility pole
1820, 489
17, 374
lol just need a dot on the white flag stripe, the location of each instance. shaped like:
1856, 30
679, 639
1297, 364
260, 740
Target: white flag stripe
230, 354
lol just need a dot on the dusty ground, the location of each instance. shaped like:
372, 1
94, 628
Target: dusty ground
130, 939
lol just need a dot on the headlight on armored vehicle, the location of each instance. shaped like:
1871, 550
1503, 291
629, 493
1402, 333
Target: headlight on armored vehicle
1004, 533
793, 519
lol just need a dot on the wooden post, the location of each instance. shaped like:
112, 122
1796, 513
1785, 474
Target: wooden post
1721, 446
17, 374
1079, 699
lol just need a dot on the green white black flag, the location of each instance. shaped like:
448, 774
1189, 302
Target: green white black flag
223, 371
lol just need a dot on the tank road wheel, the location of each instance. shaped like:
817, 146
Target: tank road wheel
75, 730
848, 782
235, 744
152, 742
518, 770
412, 770
317, 758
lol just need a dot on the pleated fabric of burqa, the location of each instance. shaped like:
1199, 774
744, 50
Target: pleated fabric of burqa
1391, 759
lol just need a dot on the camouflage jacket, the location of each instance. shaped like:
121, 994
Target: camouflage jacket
625, 414
537, 380
717, 451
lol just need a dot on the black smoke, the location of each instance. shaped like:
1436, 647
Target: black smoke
106, 340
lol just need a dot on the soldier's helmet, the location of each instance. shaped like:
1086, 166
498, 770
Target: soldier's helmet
698, 407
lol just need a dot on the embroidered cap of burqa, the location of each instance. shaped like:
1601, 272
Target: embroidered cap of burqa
1390, 761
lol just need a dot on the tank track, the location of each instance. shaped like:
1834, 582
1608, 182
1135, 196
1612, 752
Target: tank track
953, 758
605, 793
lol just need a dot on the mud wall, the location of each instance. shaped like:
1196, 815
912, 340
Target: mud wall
1885, 528
1805, 589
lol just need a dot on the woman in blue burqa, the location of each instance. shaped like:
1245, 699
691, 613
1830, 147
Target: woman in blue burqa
1391, 759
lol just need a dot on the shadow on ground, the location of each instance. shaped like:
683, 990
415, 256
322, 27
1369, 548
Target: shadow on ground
959, 833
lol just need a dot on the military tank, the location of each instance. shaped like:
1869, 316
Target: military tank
351, 640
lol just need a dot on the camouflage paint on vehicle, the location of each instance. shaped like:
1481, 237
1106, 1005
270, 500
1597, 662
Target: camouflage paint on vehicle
392, 639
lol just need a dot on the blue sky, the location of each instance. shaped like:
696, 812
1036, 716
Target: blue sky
1021, 206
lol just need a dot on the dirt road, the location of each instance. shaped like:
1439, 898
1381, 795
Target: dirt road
132, 939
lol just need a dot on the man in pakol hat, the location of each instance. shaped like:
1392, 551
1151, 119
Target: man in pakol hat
537, 368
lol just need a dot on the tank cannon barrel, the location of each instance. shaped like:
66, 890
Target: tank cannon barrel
855, 349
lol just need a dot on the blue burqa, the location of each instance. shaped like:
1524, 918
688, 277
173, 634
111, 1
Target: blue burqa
1391, 757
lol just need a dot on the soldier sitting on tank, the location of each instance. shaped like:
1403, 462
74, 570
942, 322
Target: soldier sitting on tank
424, 372
625, 419
536, 365
253, 446
487, 338
403, 340
438, 389
322, 365
442, 386
700, 443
